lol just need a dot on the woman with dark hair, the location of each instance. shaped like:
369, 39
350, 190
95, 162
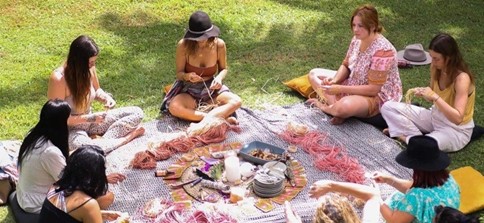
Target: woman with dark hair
452, 215
73, 197
201, 67
415, 199
452, 91
43, 155
368, 76
77, 83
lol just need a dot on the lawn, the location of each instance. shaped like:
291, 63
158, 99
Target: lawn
268, 41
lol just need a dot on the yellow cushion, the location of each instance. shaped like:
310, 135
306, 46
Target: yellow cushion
471, 189
167, 88
301, 84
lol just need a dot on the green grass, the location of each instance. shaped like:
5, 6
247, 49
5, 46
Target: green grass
268, 42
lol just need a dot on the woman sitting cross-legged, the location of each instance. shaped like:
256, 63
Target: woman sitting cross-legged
42, 157
452, 91
73, 196
77, 83
368, 76
201, 67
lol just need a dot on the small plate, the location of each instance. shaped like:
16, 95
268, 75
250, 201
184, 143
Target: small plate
276, 166
244, 152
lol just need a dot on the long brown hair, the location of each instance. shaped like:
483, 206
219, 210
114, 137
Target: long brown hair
446, 45
369, 18
191, 46
427, 179
76, 73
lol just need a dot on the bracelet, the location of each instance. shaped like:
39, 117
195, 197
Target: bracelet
435, 100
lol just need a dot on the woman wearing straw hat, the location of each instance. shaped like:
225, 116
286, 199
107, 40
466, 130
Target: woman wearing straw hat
201, 67
415, 200
452, 92
368, 76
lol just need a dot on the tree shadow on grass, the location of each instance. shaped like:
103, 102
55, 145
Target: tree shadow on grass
146, 61
148, 58
25, 93
408, 22
411, 21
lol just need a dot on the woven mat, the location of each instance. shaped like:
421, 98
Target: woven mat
374, 151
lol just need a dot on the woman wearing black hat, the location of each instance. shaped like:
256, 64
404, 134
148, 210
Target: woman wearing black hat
415, 200
452, 92
201, 67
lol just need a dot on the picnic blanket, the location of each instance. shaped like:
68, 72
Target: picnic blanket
375, 151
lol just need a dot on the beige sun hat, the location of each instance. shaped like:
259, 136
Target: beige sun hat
414, 54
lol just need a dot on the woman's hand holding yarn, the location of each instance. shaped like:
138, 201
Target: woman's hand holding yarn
320, 188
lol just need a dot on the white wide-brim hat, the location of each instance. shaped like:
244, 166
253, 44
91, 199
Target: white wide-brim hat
414, 54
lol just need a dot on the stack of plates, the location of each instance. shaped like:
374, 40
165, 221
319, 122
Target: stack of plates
268, 184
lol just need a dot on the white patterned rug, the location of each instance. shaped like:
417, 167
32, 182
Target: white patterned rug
374, 151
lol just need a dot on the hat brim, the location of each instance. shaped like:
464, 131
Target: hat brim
442, 162
214, 32
428, 59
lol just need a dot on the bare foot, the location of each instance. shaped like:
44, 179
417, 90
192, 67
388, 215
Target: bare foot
386, 132
232, 120
337, 121
137, 132
402, 139
315, 102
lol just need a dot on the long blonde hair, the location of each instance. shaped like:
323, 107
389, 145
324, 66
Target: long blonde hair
335, 209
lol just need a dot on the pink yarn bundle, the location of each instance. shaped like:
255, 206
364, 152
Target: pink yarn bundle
326, 157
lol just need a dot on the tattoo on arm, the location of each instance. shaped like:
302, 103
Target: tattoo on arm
91, 118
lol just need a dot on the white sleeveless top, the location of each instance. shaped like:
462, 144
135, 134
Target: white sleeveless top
70, 99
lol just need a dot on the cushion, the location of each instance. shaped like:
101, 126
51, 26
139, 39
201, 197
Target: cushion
471, 190
18, 213
301, 84
377, 121
477, 132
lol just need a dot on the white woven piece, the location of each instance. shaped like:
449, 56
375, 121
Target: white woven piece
375, 151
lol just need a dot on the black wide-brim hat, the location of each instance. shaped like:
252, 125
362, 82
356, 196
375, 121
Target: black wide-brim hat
423, 153
200, 27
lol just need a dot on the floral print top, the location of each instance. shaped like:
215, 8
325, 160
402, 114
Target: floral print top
420, 202
376, 65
